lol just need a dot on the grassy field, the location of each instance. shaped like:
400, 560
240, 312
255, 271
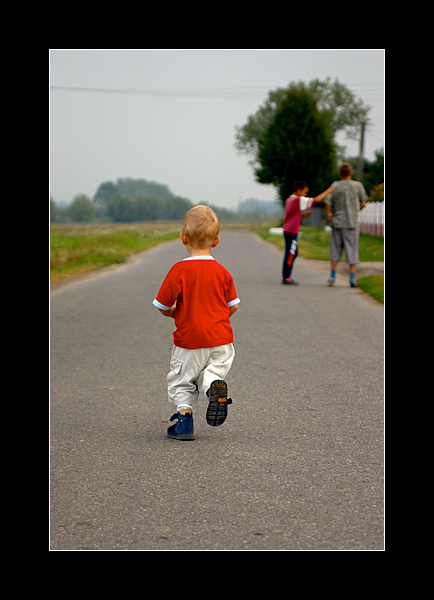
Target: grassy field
77, 249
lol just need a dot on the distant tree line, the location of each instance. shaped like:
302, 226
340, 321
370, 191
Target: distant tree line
139, 200
123, 209
129, 200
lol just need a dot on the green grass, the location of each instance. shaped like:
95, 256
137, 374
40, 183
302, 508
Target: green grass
314, 243
373, 285
77, 249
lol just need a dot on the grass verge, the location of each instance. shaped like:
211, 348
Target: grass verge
373, 285
77, 249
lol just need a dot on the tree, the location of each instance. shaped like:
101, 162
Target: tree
120, 208
129, 188
374, 173
104, 193
377, 193
335, 102
297, 146
82, 209
174, 208
146, 208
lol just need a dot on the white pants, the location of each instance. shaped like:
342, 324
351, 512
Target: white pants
193, 371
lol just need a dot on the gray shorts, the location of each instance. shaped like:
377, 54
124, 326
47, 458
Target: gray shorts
348, 238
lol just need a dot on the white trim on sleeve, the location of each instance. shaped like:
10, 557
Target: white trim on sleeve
306, 203
233, 302
159, 305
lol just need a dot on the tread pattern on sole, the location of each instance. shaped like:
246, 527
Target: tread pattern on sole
218, 403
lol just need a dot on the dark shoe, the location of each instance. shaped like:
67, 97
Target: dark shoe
290, 281
218, 403
183, 429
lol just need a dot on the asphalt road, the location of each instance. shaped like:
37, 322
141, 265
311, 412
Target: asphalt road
296, 466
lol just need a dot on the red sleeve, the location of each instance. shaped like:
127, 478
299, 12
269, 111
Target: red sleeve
169, 290
231, 293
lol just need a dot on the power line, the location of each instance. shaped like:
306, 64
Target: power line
253, 93
241, 93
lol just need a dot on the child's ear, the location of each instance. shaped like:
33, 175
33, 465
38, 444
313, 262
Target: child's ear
183, 238
216, 242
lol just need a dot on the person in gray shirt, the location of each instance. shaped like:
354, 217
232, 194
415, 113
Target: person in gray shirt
342, 208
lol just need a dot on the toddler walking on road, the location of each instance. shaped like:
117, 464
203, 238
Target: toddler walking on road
200, 295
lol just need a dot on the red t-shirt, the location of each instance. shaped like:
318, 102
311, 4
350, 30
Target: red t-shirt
293, 208
204, 291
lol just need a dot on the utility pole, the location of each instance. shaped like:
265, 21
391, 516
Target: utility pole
359, 175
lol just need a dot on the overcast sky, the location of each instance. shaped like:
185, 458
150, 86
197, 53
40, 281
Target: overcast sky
180, 129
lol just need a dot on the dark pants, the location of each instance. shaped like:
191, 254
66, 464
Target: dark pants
291, 252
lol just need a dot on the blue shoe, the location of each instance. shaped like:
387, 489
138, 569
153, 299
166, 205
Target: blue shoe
217, 410
183, 429
353, 280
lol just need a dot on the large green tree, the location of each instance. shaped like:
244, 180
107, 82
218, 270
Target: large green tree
296, 146
340, 107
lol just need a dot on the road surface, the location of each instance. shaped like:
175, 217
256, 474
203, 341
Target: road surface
296, 466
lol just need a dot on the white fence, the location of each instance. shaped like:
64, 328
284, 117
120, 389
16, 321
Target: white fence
371, 219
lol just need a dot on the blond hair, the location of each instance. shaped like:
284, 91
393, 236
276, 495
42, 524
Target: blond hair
200, 226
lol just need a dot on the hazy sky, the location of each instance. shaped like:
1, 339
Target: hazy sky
180, 129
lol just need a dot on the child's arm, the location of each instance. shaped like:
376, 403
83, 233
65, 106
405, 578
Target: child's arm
329, 212
307, 203
321, 197
232, 310
168, 313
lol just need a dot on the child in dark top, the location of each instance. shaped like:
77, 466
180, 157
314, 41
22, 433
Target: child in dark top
296, 206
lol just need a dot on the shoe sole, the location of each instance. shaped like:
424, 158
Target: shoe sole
331, 282
217, 410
